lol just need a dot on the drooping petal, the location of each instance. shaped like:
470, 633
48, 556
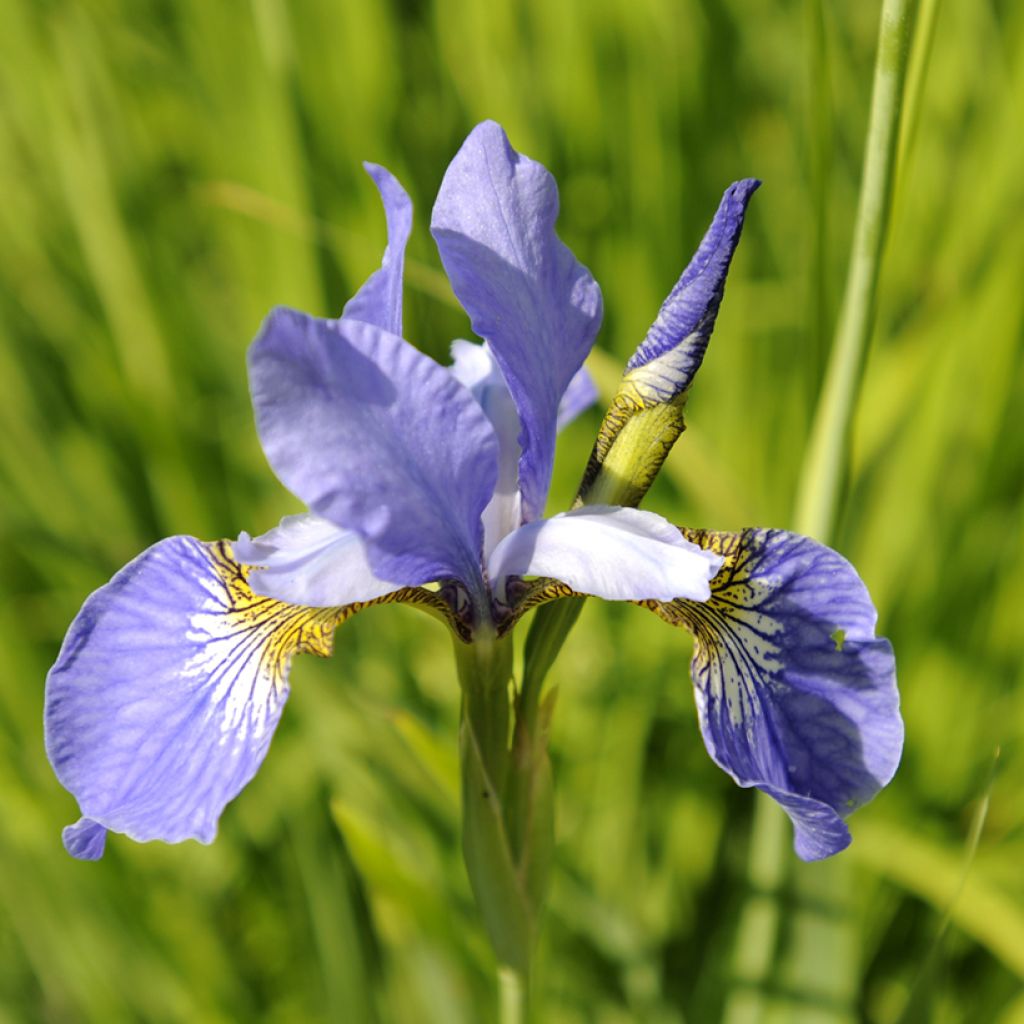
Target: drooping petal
308, 560
620, 554
674, 348
796, 694
377, 438
525, 292
167, 690
85, 840
379, 301
645, 417
579, 396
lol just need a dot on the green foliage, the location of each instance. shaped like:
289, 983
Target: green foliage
170, 171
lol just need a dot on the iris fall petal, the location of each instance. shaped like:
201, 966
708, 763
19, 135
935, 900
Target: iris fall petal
167, 691
796, 694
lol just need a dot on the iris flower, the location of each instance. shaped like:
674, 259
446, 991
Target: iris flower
427, 484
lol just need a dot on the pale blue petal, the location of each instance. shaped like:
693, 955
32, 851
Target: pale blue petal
379, 301
668, 358
308, 560
525, 292
379, 439
796, 694
475, 368
579, 396
85, 840
166, 693
620, 554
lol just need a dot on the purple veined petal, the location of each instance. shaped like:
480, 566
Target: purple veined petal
379, 300
307, 560
85, 840
620, 554
165, 695
475, 367
795, 693
579, 396
524, 291
379, 439
666, 361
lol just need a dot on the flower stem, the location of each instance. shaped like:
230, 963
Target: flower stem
823, 475
548, 632
817, 964
512, 1006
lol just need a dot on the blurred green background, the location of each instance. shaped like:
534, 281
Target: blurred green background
171, 169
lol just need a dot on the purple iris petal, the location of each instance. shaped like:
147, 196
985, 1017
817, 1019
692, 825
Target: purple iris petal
579, 396
620, 554
379, 439
796, 694
308, 560
166, 693
525, 292
675, 344
85, 840
379, 301
474, 367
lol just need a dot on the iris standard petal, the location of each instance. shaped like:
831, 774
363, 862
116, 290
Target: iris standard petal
474, 367
377, 438
379, 301
166, 693
308, 560
579, 396
525, 292
667, 359
796, 694
620, 554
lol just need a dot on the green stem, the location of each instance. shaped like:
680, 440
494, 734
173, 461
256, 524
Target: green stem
818, 961
824, 469
507, 809
512, 1006
548, 632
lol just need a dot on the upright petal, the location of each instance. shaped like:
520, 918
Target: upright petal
377, 438
620, 554
645, 417
308, 560
674, 348
579, 396
796, 694
474, 367
166, 693
525, 292
379, 301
